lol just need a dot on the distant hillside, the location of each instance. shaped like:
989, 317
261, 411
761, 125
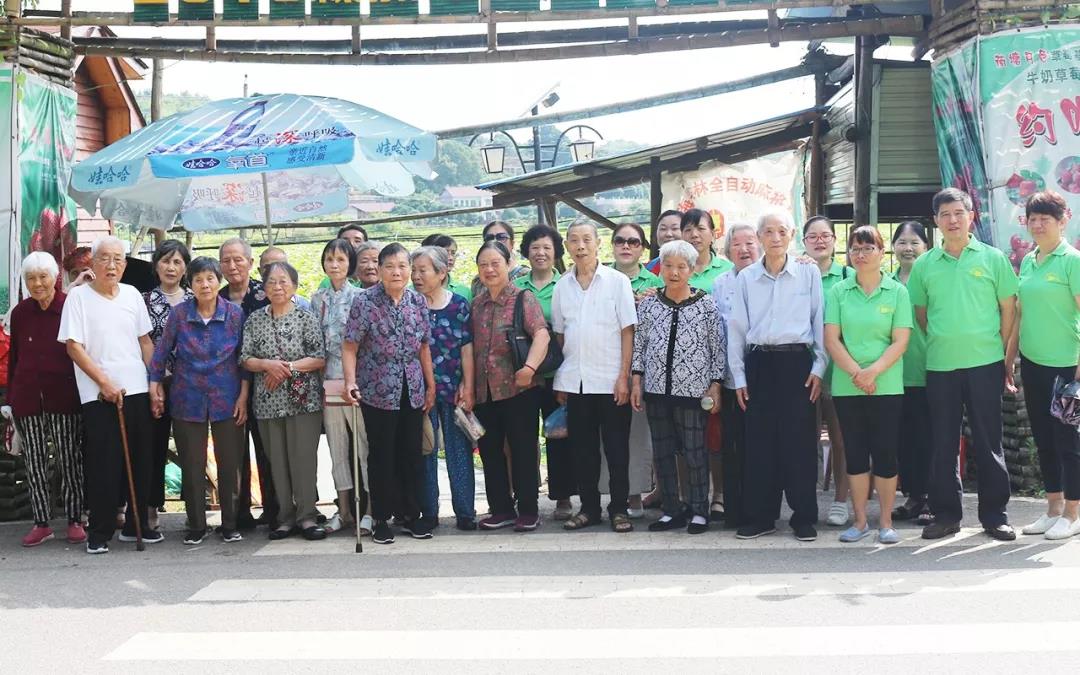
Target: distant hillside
170, 103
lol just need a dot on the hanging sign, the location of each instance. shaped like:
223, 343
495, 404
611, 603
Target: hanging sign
151, 11
196, 10
323, 9
240, 10
395, 7
286, 9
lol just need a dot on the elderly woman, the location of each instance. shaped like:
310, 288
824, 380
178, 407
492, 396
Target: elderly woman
388, 372
542, 246
283, 346
45, 401
106, 328
201, 342
777, 358
867, 324
678, 365
698, 228
452, 360
331, 306
169, 263
367, 264
449, 244
1048, 338
507, 400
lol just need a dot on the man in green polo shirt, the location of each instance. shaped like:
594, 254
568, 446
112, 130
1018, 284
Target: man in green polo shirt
964, 294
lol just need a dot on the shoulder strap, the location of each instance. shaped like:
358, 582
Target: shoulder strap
519, 311
844, 274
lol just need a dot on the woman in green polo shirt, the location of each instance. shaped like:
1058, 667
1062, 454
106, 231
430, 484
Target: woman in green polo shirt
1049, 345
909, 241
867, 324
628, 243
542, 246
698, 228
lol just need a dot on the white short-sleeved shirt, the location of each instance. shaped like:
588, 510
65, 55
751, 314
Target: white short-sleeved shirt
591, 322
109, 330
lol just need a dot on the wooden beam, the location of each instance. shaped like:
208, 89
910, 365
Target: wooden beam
211, 39
587, 212
815, 190
656, 202
864, 103
632, 28
65, 11
355, 42
156, 92
774, 24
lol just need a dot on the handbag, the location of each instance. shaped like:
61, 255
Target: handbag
1065, 404
520, 342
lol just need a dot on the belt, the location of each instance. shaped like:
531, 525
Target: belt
790, 347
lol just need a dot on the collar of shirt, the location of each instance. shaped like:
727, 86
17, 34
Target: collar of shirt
504, 295
695, 295
852, 283
835, 270
601, 272
973, 245
55, 307
1058, 250
528, 282
640, 270
757, 270
195, 317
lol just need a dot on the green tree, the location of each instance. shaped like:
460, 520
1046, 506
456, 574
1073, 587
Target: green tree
456, 164
170, 103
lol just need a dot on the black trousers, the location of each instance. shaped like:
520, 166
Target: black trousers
591, 417
106, 475
266, 479
159, 455
1058, 444
562, 483
732, 454
871, 429
511, 421
781, 450
913, 453
977, 390
394, 455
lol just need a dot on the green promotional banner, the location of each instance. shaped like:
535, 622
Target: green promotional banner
286, 9
515, 5
573, 5
454, 7
9, 265
395, 7
151, 11
324, 9
239, 10
196, 10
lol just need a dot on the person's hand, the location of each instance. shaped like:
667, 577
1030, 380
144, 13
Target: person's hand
864, 378
85, 277
239, 412
350, 394
1010, 379
464, 398
112, 394
714, 392
157, 400
805, 260
813, 383
636, 396
742, 396
276, 372
524, 376
560, 397
622, 390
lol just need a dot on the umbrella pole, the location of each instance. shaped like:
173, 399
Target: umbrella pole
266, 209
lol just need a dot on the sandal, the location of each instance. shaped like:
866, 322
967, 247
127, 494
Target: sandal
620, 522
925, 517
909, 510
580, 521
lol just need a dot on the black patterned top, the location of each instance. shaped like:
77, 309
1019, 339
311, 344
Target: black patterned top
157, 305
291, 337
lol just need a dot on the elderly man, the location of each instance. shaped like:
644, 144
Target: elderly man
106, 328
776, 353
236, 260
272, 255
593, 315
964, 295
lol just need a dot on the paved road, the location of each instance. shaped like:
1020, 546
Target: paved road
545, 602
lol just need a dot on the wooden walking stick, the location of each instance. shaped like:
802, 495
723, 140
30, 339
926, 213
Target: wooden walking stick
139, 545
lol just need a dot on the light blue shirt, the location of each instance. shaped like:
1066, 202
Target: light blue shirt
775, 310
723, 291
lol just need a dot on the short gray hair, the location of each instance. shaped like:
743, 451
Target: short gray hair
679, 248
232, 242
40, 261
584, 222
438, 256
783, 217
737, 227
105, 241
368, 246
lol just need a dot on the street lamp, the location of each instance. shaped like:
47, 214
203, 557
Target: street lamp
494, 157
581, 150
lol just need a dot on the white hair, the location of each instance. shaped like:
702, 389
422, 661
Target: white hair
679, 248
737, 227
440, 259
236, 240
40, 261
782, 217
584, 222
107, 240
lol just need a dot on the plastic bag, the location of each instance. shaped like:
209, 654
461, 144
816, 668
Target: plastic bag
1065, 405
555, 424
468, 424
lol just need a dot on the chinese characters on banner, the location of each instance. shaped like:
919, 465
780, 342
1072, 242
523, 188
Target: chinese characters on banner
735, 193
196, 10
1029, 91
151, 11
395, 7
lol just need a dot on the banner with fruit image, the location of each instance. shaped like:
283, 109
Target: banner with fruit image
1029, 90
45, 120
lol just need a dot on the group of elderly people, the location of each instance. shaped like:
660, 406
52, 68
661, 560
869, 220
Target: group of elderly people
698, 382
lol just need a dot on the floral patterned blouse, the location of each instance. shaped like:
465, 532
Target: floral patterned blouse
389, 338
491, 318
291, 337
158, 307
331, 308
451, 329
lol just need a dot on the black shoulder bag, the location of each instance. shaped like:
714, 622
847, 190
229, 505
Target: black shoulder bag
520, 342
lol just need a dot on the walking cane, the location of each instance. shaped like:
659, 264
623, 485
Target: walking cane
353, 411
139, 545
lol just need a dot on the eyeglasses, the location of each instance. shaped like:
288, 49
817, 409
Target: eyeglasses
108, 260
824, 236
632, 242
498, 236
862, 250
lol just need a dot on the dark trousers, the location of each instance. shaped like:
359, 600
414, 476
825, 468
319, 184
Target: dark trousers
394, 459
562, 483
229, 441
591, 417
781, 450
1058, 444
266, 480
678, 429
913, 452
871, 429
978, 390
732, 454
106, 476
159, 457
511, 421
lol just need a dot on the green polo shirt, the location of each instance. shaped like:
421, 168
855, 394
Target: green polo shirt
703, 280
866, 325
461, 289
325, 283
915, 356
961, 297
643, 280
1049, 318
542, 294
837, 272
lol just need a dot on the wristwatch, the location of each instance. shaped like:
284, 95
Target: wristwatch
293, 372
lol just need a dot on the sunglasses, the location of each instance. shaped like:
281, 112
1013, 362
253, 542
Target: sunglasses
632, 242
499, 237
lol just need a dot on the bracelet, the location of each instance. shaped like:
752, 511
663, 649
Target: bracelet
530, 367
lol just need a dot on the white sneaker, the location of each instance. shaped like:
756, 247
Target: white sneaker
1063, 529
1042, 525
838, 514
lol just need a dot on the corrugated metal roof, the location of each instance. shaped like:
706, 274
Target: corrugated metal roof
632, 166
